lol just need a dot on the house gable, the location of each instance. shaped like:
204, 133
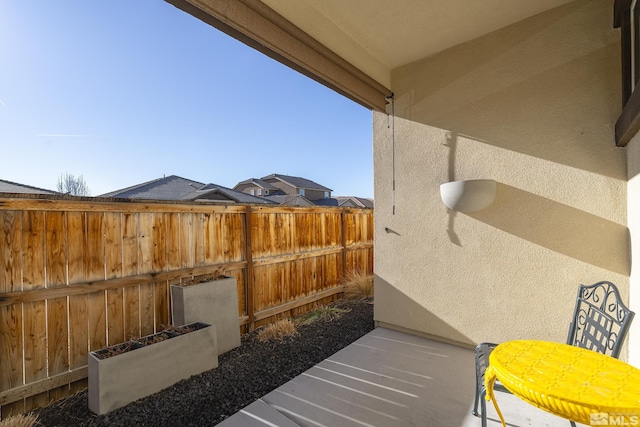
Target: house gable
297, 185
257, 187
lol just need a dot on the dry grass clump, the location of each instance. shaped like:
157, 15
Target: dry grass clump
19, 421
277, 331
323, 312
357, 286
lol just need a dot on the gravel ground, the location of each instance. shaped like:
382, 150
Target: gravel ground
244, 375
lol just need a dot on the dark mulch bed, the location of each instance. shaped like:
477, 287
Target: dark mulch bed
244, 375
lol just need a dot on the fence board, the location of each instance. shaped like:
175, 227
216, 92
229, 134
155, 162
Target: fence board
145, 243
129, 244
321, 266
115, 316
259, 298
259, 229
33, 235
159, 242
284, 232
212, 239
349, 229
76, 233
132, 312
96, 305
216, 239
302, 241
79, 326
231, 244
10, 346
35, 351
278, 284
187, 240
296, 279
162, 308
242, 294
172, 243
58, 355
11, 409
94, 254
113, 244
57, 340
56, 249
147, 309
199, 235
10, 251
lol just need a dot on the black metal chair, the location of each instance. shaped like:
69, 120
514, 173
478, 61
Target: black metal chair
600, 323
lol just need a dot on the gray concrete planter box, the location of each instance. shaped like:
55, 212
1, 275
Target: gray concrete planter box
214, 302
145, 369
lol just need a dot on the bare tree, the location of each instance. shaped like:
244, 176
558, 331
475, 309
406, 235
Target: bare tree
76, 186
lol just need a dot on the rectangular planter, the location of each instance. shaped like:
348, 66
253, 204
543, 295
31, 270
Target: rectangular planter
146, 369
214, 302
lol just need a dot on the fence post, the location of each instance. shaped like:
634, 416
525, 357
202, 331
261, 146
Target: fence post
344, 243
249, 259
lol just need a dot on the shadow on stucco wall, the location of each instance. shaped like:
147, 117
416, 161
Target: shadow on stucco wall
560, 228
560, 105
404, 313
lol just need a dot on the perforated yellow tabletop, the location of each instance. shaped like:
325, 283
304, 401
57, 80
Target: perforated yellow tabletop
574, 383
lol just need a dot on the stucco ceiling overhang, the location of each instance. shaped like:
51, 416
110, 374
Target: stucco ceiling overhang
353, 46
379, 35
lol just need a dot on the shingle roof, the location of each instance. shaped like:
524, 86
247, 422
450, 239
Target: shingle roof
174, 187
234, 195
326, 202
358, 201
297, 182
258, 182
171, 187
290, 199
14, 187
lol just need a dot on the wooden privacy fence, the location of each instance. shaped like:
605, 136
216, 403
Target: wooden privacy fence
78, 275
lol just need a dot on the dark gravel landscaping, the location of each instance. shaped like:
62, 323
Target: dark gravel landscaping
244, 375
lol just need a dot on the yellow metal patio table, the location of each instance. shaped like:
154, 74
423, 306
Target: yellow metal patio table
578, 384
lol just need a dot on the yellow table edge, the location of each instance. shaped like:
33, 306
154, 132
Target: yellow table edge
569, 407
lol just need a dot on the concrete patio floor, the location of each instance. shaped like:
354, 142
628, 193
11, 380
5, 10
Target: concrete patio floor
387, 378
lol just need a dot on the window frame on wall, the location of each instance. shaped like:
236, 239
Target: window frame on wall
627, 18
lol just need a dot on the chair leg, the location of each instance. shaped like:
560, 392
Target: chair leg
483, 407
475, 403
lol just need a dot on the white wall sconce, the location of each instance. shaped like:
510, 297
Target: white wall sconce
468, 196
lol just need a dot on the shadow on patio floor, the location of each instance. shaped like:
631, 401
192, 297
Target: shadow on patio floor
386, 378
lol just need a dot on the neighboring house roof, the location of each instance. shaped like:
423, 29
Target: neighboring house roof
258, 183
326, 202
208, 190
14, 187
290, 199
174, 187
167, 188
297, 182
360, 202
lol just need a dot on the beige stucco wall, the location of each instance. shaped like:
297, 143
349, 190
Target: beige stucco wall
532, 106
633, 214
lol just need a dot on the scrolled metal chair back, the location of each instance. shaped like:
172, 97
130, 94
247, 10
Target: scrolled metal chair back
601, 320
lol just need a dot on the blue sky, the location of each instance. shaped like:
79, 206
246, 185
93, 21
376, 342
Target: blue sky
123, 92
